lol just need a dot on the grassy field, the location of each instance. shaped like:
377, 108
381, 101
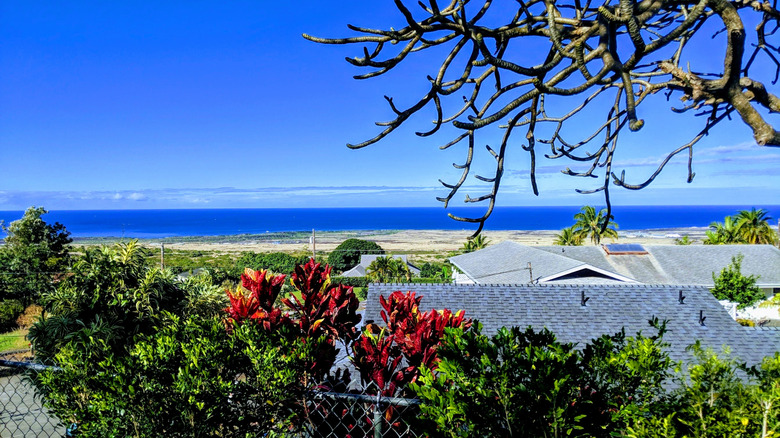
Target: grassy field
14, 340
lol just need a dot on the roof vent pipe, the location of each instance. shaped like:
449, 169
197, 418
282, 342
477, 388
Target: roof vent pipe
583, 299
702, 318
681, 298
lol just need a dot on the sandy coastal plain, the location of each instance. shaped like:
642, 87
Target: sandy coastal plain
429, 241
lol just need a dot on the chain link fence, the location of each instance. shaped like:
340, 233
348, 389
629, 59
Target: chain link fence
21, 410
360, 415
357, 413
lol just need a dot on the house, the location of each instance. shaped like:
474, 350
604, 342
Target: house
512, 263
367, 259
581, 313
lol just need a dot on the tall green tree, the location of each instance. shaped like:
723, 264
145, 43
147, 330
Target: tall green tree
34, 257
594, 225
734, 286
753, 227
347, 254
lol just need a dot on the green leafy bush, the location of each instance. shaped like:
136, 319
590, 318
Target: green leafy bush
9, 312
732, 285
352, 281
191, 378
438, 271
114, 295
181, 371
347, 254
436, 280
719, 397
278, 262
524, 383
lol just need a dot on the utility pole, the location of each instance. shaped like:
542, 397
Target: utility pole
162, 256
313, 244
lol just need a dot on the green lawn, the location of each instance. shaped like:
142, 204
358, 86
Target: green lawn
14, 340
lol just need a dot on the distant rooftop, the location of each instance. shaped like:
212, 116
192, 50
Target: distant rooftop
508, 263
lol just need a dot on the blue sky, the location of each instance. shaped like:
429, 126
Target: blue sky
223, 104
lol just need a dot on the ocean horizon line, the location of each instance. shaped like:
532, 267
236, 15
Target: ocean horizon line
161, 223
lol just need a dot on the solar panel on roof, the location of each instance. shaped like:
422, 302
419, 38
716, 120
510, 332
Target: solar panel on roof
624, 248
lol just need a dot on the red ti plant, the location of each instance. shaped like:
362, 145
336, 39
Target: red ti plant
419, 339
377, 358
323, 313
412, 335
323, 310
258, 304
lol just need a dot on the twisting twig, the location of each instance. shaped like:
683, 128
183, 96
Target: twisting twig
630, 48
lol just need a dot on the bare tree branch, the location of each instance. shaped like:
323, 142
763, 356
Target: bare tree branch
631, 48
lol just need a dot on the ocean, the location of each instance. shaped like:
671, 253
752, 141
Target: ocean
213, 222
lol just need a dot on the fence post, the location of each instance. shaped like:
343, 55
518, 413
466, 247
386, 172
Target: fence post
378, 416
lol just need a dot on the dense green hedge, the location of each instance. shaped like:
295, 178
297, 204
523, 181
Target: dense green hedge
365, 281
351, 281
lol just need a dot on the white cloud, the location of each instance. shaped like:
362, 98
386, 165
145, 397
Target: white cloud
135, 196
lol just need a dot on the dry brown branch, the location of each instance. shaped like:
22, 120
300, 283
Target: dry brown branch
631, 48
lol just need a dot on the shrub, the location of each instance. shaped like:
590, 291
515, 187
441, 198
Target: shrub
720, 397
733, 286
9, 312
31, 314
352, 281
116, 296
361, 293
347, 254
528, 384
278, 262
243, 373
191, 378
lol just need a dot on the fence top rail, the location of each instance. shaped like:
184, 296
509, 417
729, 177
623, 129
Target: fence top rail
398, 401
12, 352
28, 365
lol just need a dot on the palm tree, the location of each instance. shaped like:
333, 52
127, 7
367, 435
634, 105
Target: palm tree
381, 269
594, 225
723, 233
475, 243
388, 269
568, 237
753, 226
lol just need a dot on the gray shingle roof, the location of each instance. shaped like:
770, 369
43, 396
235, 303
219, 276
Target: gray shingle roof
609, 308
507, 263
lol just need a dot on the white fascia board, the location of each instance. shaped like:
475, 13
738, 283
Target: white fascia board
589, 267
